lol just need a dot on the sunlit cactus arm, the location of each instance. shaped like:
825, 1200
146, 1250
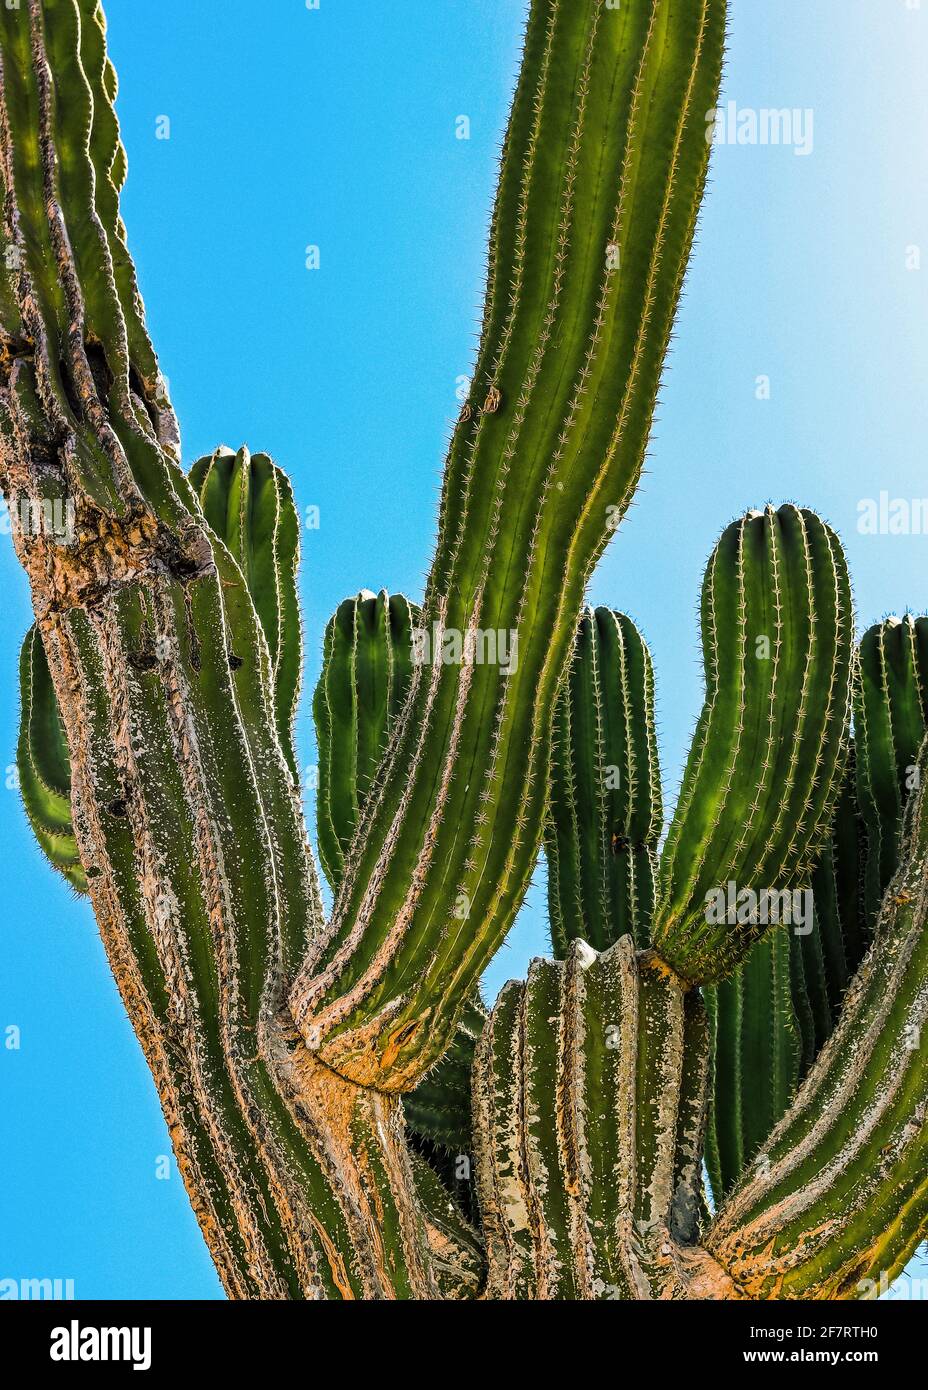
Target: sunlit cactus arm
769, 753
605, 812
602, 175
842, 1200
43, 765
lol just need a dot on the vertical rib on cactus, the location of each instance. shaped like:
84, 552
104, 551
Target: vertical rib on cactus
602, 175
366, 673
43, 764
768, 757
842, 1198
588, 1124
890, 719
248, 502
757, 1052
605, 812
184, 809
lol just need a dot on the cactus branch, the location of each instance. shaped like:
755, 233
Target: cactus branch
602, 175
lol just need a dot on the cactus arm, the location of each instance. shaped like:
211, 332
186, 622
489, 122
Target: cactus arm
844, 1198
248, 502
590, 1132
605, 812
749, 1097
366, 674
602, 175
439, 1109
768, 756
43, 764
758, 1056
183, 807
890, 717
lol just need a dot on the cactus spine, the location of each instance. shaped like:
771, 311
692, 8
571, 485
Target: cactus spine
321, 1080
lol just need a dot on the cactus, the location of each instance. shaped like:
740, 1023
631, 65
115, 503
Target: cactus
606, 811
327, 1084
44, 766
366, 674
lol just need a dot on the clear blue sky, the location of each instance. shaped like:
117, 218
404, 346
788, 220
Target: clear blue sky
336, 127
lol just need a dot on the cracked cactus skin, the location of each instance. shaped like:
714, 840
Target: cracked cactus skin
605, 812
315, 1076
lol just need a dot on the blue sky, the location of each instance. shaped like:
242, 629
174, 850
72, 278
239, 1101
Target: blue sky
336, 128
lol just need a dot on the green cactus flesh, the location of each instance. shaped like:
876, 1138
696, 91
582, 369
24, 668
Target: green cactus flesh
366, 674
890, 719
248, 502
43, 764
770, 749
605, 810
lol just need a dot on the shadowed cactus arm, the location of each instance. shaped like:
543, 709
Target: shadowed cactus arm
602, 175
799, 980
890, 717
757, 1057
43, 764
770, 748
605, 811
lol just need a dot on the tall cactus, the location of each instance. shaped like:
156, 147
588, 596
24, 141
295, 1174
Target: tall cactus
327, 1085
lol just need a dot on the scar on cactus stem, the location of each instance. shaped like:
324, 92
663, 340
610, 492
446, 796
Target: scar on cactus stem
350, 1120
